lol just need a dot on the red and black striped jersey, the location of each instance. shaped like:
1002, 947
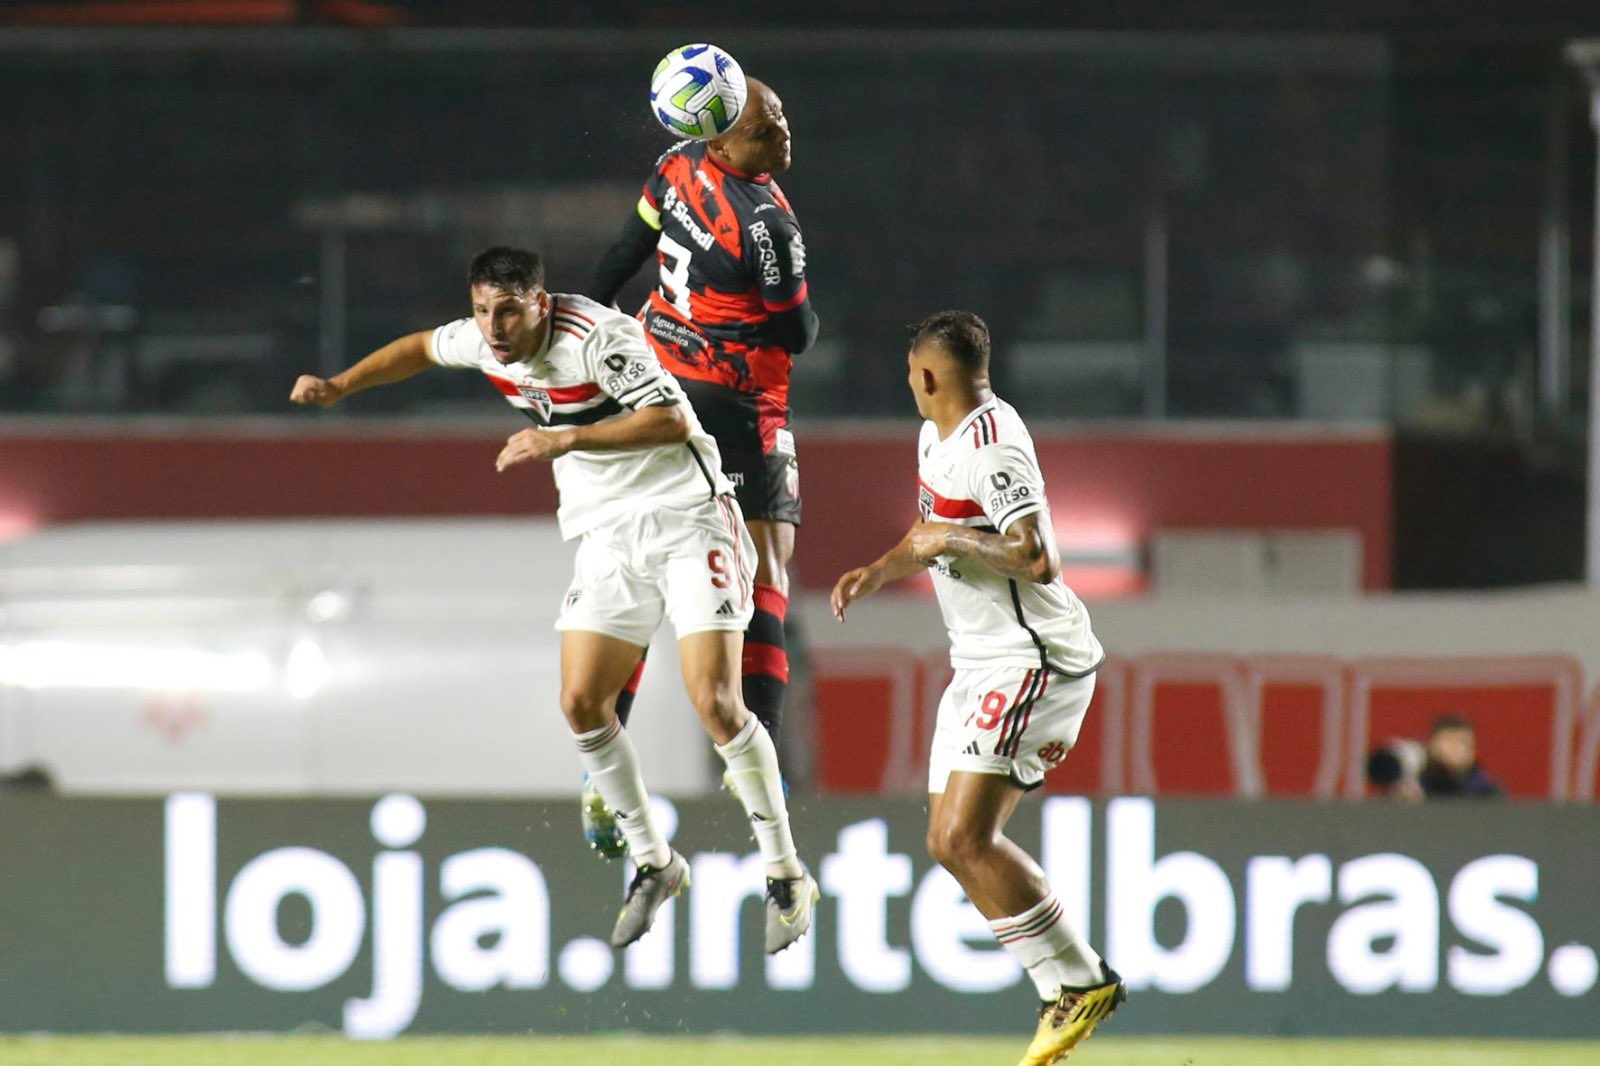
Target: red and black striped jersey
731, 256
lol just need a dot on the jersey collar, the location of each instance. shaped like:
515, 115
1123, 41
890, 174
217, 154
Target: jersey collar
972, 416
549, 334
759, 179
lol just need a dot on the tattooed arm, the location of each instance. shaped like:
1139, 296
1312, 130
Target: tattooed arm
1025, 551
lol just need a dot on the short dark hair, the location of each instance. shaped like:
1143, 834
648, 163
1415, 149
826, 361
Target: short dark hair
513, 269
961, 333
1447, 723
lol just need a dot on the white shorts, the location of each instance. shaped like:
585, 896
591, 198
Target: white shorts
696, 566
1007, 720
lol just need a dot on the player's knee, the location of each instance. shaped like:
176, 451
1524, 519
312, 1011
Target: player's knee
719, 707
584, 709
954, 846
771, 570
774, 543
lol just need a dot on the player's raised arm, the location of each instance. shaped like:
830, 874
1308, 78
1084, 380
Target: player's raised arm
621, 261
396, 361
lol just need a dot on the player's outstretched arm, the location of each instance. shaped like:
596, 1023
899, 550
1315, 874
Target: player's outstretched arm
1025, 551
623, 259
395, 361
896, 563
648, 427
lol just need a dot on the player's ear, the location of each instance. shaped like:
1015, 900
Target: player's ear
930, 383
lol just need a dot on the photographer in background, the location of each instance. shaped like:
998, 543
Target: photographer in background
1446, 765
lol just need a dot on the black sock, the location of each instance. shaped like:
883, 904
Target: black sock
630, 690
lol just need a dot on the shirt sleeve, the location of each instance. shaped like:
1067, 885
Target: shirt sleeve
623, 259
649, 206
457, 345
622, 364
778, 252
1006, 481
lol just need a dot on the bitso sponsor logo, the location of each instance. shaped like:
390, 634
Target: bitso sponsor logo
623, 372
1005, 491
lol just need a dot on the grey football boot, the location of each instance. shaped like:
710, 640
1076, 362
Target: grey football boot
650, 888
789, 906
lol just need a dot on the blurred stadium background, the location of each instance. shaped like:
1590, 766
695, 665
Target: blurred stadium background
1296, 297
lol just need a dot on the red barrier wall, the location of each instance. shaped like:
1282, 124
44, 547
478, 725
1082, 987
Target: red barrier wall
875, 710
1108, 487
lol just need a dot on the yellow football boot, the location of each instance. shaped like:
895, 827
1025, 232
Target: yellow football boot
1066, 1021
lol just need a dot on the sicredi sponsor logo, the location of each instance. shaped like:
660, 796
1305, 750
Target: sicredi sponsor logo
674, 206
482, 918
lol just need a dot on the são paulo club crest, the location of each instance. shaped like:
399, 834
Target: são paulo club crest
539, 398
925, 502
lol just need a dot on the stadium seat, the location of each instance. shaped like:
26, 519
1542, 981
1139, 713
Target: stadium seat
1188, 730
1296, 706
1587, 761
876, 709
866, 703
932, 680
1523, 709
1095, 766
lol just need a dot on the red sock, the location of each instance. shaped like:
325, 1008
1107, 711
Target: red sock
766, 662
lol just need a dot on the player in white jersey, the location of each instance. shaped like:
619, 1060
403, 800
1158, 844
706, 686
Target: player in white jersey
659, 533
1024, 659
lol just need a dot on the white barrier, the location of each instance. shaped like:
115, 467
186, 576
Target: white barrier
296, 657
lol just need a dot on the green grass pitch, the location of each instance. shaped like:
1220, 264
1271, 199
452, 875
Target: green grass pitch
730, 1051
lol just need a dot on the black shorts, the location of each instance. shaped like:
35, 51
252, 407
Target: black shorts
757, 450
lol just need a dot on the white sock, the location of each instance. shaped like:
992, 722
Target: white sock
753, 765
1048, 948
609, 759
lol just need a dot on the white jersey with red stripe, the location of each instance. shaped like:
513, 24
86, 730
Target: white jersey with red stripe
595, 365
986, 476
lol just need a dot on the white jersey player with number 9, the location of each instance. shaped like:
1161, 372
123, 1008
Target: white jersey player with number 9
660, 534
1024, 659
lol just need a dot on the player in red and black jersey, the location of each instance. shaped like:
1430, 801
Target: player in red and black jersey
729, 312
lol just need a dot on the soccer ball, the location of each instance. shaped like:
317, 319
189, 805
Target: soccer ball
697, 91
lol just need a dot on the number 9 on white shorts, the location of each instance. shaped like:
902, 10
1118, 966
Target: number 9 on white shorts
695, 566
1009, 720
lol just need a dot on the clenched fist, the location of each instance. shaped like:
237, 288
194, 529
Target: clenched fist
318, 392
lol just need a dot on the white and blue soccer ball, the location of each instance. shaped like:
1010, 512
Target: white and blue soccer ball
698, 91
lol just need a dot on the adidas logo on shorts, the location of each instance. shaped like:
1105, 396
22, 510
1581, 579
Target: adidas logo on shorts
726, 610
